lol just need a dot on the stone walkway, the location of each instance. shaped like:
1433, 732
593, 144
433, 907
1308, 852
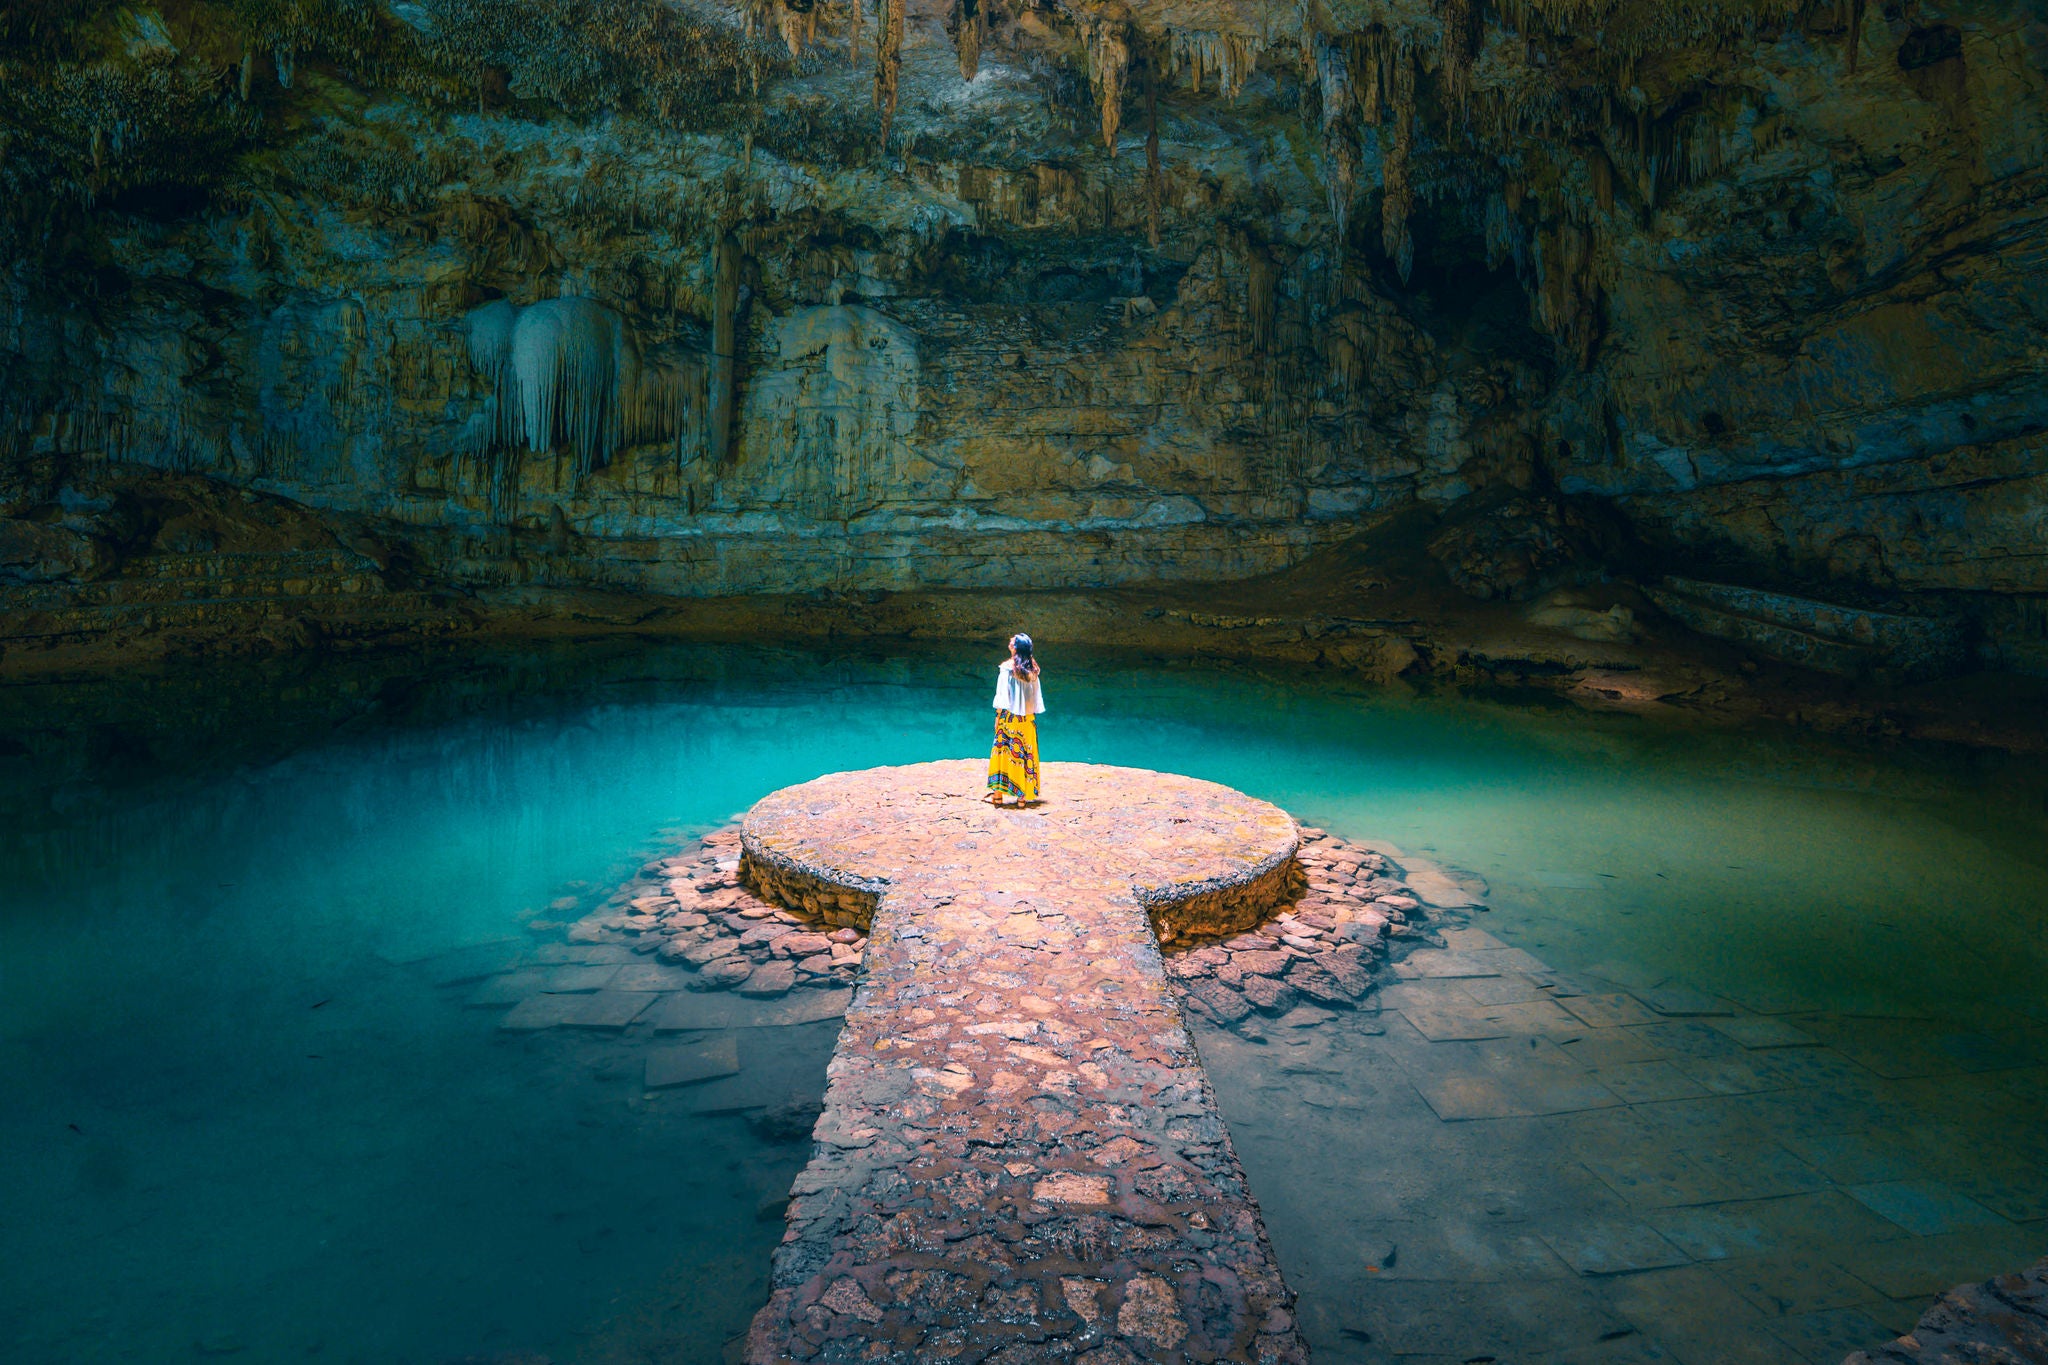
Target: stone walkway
1020, 1158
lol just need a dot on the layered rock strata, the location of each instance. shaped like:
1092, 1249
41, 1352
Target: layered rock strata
696, 300
1020, 1157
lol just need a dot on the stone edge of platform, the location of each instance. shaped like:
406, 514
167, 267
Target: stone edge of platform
1180, 912
832, 896
1217, 907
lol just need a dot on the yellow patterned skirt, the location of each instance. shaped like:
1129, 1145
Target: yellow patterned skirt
1013, 764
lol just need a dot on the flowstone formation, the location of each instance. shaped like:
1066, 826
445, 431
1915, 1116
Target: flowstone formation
531, 301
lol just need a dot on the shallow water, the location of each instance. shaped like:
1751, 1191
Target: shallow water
250, 1116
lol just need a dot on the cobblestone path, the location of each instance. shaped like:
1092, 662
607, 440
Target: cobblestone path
1020, 1159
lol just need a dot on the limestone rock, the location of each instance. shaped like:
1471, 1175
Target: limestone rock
769, 979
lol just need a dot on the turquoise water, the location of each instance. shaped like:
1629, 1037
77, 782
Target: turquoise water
250, 1117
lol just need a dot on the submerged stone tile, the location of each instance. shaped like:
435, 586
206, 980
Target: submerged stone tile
1610, 1248
649, 976
1923, 1208
1616, 1010
1917, 1267
1758, 1033
574, 980
1640, 1082
1683, 1002
686, 1065
1795, 1281
1828, 1334
508, 989
1513, 989
689, 1011
539, 1012
608, 1009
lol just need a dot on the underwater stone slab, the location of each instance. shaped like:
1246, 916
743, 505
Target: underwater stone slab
1618, 1010
1923, 1208
1648, 1082
539, 1012
1452, 1025
649, 976
1612, 1248
475, 962
688, 1011
1440, 962
608, 1009
509, 989
1759, 1034
1682, 1002
1020, 1156
1440, 889
687, 1065
576, 980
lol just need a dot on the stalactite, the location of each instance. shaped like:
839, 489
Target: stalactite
888, 63
1855, 34
1566, 299
1503, 232
1231, 57
723, 378
796, 27
1369, 88
566, 372
968, 23
853, 31
1340, 159
1152, 178
1603, 179
1340, 154
1333, 81
1109, 58
1261, 314
1457, 44
1646, 161
1397, 144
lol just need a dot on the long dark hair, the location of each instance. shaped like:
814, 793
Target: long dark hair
1026, 665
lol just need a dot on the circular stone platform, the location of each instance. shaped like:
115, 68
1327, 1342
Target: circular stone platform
1202, 859
1019, 1157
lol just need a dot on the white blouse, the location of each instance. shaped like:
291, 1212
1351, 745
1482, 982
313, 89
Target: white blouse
1018, 696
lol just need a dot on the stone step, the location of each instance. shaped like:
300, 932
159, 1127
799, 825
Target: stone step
1825, 636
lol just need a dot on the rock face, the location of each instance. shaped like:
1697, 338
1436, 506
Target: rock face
697, 301
2000, 1322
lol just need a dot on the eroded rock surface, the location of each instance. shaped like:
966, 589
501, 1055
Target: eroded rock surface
2000, 1322
696, 300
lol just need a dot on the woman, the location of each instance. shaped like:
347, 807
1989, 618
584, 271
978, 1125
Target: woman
1013, 766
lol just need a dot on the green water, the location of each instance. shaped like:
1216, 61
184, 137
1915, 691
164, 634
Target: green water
248, 1116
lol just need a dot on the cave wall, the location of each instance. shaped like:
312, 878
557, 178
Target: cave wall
1824, 365
1096, 294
